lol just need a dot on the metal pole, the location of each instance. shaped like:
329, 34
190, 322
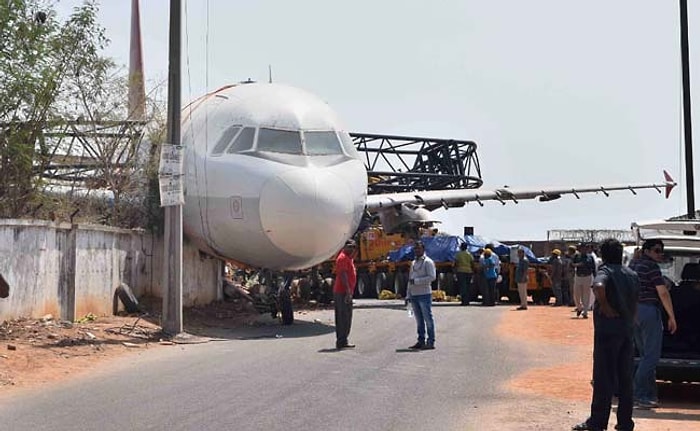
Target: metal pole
690, 186
172, 259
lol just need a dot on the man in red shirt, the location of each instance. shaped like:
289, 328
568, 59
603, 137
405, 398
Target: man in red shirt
343, 289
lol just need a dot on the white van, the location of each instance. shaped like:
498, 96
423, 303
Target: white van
680, 354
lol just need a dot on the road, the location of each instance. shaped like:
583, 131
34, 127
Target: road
271, 377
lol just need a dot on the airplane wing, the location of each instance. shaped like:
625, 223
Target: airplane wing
396, 209
432, 199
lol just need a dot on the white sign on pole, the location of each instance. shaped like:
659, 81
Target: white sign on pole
170, 173
171, 160
171, 191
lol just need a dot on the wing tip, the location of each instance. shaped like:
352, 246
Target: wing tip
670, 183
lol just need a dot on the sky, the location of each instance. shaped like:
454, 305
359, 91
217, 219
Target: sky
554, 93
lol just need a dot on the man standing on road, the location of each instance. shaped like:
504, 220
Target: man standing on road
568, 273
464, 267
649, 328
616, 289
521, 274
585, 266
343, 289
556, 274
490, 265
420, 295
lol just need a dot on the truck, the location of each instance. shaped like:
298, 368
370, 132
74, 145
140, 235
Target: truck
680, 352
383, 261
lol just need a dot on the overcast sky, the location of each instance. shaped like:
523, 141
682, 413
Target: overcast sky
553, 92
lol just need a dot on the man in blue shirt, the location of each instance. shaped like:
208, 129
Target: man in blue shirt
490, 265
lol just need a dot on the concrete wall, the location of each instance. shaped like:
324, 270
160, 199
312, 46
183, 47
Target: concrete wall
202, 275
72, 270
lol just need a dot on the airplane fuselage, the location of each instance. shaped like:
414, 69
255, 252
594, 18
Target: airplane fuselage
272, 179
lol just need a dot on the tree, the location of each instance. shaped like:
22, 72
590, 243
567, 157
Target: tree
63, 111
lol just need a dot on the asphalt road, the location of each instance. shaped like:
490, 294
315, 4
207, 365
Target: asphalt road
272, 377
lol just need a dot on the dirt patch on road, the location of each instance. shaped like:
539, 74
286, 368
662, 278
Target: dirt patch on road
545, 326
555, 326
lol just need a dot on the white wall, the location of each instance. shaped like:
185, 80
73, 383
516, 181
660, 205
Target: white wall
71, 270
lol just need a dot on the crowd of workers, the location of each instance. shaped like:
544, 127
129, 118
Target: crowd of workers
627, 309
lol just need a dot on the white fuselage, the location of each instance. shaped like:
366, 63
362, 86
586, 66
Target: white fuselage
271, 178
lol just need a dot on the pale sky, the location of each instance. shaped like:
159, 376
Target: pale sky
553, 92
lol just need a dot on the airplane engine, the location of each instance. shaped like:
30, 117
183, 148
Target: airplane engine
395, 219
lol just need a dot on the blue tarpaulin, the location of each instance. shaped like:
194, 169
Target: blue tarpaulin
475, 242
440, 248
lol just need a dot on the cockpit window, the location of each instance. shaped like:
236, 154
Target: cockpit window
279, 141
244, 141
348, 145
322, 143
224, 140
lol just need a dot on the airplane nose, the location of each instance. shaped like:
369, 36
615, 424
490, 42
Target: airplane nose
307, 213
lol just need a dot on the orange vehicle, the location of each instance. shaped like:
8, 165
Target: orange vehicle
539, 283
375, 272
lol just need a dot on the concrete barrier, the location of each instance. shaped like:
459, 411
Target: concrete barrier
72, 270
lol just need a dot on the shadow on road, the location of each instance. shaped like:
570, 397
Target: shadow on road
263, 330
676, 399
680, 395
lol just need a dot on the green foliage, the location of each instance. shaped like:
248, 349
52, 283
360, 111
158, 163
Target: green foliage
43, 62
56, 82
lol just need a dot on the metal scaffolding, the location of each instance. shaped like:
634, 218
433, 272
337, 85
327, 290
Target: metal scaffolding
403, 163
77, 151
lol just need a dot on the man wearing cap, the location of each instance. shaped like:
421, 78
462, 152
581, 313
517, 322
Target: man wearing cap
343, 289
490, 265
556, 274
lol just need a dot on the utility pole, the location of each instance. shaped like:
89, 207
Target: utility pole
690, 185
172, 258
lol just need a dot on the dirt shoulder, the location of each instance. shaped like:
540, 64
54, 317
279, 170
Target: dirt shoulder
39, 351
34, 352
544, 327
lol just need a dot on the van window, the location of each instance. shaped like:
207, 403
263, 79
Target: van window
322, 143
244, 140
279, 141
225, 140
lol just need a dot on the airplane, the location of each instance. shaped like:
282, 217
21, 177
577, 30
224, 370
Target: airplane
273, 180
